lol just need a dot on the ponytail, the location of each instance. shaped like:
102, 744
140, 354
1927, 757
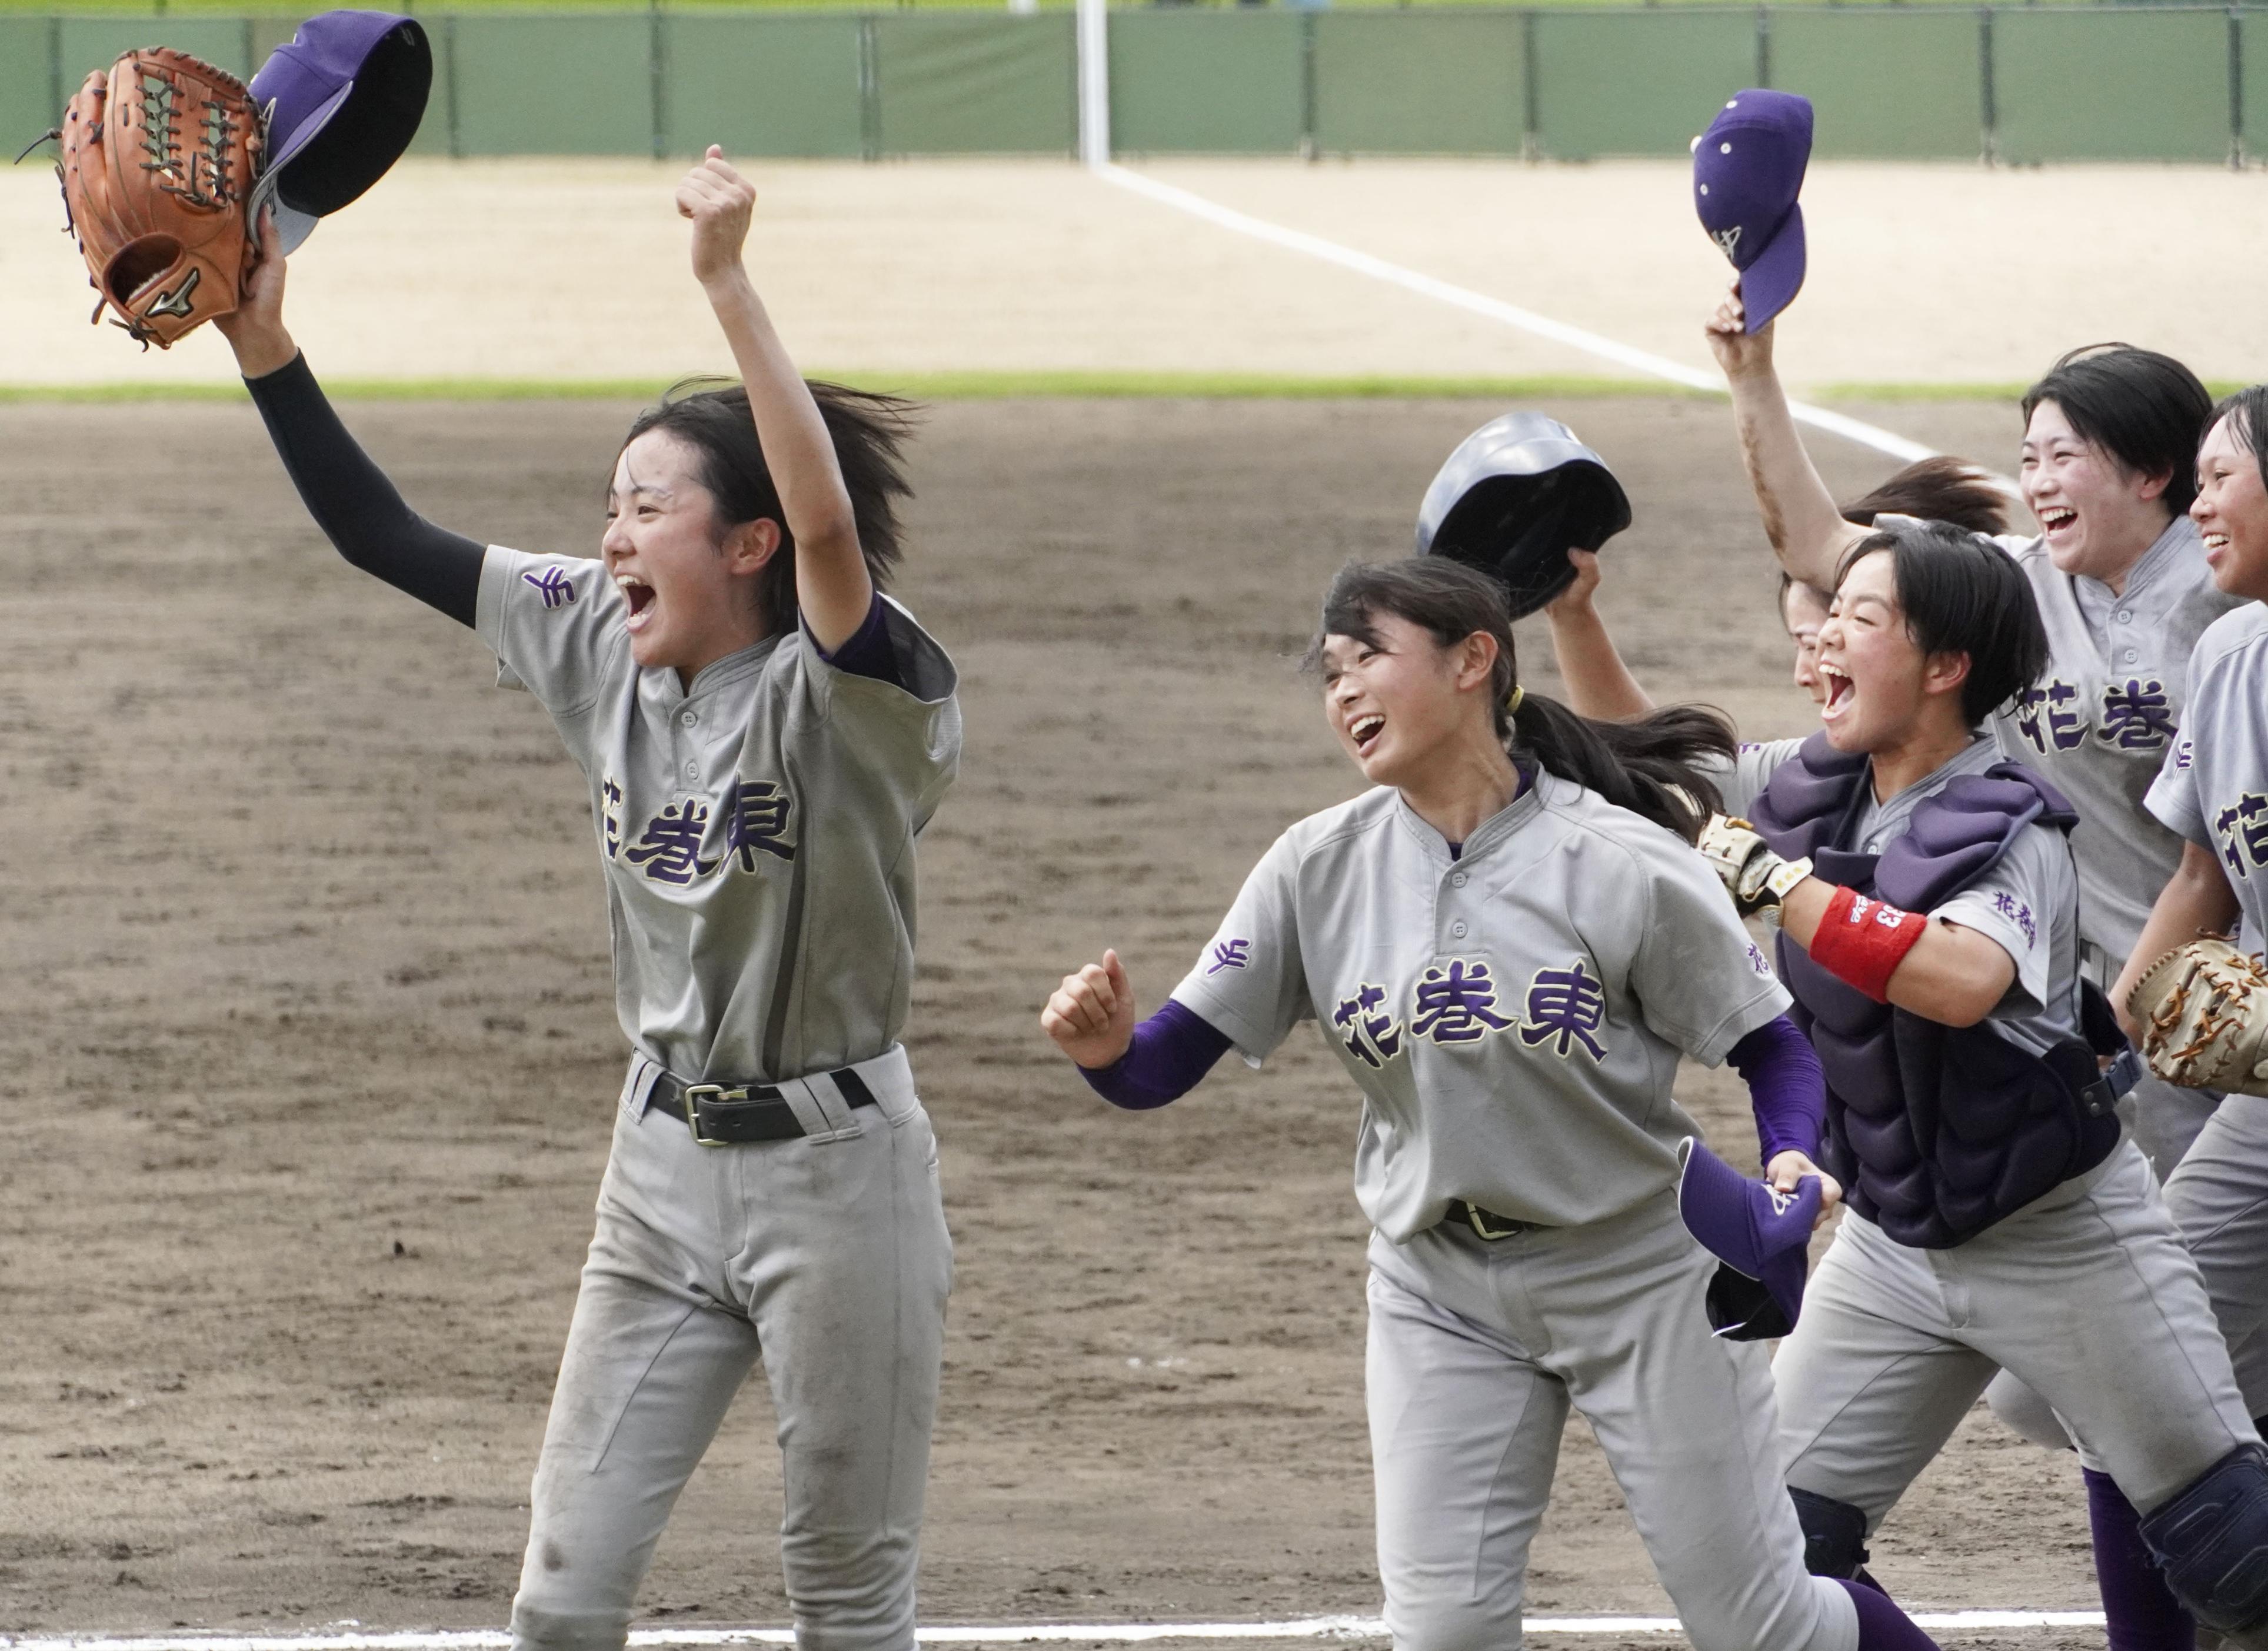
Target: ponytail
1657, 766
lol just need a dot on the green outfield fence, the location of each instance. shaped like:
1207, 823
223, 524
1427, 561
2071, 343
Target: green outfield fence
2017, 84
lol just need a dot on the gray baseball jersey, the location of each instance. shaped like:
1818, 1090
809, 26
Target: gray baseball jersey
2213, 790
1513, 1015
2026, 902
757, 829
2099, 723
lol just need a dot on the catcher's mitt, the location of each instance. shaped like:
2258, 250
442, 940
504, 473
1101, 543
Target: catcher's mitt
2204, 1012
159, 152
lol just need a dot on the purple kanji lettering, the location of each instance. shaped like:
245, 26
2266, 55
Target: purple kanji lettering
1371, 1037
2243, 829
2017, 913
2184, 753
610, 793
1759, 961
1230, 953
757, 822
1457, 1005
1565, 1005
2041, 717
553, 586
670, 848
2136, 715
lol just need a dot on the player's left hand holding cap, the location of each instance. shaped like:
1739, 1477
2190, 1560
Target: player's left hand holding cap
342, 99
1762, 1236
1748, 172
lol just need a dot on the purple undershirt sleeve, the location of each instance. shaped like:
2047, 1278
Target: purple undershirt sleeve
1172, 1050
868, 651
1786, 1088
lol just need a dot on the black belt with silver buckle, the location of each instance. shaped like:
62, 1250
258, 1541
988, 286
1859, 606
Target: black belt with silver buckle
1485, 1223
734, 1115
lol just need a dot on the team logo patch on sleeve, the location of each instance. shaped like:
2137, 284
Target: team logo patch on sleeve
1457, 1003
1229, 954
1759, 961
1371, 1036
2243, 828
2017, 913
556, 589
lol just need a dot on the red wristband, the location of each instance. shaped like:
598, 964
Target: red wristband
1862, 940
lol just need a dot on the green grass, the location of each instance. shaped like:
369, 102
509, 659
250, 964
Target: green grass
927, 386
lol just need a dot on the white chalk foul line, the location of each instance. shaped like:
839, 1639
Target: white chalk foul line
1593, 343
998, 1633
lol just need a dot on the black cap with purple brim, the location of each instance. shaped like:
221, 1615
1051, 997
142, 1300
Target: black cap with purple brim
1748, 172
342, 99
1761, 1235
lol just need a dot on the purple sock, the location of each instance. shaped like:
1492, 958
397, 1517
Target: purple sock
2141, 1613
1883, 1626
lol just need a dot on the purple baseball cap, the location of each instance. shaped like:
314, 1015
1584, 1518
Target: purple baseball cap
342, 99
1762, 1236
1747, 171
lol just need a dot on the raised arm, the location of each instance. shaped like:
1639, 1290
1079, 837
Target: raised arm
832, 586
351, 498
1599, 684
1808, 533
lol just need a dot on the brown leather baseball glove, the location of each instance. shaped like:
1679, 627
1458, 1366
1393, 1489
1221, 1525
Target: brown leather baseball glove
2204, 1012
159, 152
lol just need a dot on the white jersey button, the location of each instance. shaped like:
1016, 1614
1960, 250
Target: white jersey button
693, 771
1456, 879
2125, 615
689, 718
1457, 929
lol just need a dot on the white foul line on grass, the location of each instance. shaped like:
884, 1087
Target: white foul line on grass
1495, 309
998, 1633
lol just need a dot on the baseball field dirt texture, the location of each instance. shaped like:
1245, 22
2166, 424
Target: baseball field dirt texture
310, 1049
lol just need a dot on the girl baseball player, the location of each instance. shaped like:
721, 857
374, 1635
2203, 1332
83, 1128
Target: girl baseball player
1509, 943
2123, 591
762, 734
2214, 792
1998, 1214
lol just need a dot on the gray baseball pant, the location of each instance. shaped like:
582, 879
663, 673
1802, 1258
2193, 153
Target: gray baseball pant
825, 1256
2086, 1295
1476, 1351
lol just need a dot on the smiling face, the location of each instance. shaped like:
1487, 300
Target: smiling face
689, 586
1882, 690
1400, 701
2231, 512
2097, 515
1803, 612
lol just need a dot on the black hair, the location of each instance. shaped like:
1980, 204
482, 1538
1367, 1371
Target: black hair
1961, 593
1651, 766
2146, 411
1788, 582
869, 433
1939, 487
2248, 411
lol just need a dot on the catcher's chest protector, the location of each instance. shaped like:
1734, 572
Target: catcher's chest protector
159, 154
1938, 1132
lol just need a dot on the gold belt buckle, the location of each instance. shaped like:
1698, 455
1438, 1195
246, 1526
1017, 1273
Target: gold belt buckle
694, 1093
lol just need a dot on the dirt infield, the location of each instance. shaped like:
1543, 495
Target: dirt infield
576, 270
309, 1048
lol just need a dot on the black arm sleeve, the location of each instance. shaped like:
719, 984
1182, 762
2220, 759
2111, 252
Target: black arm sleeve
354, 503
